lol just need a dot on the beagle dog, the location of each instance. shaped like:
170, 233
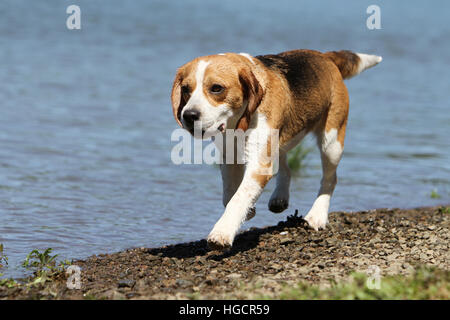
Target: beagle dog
294, 92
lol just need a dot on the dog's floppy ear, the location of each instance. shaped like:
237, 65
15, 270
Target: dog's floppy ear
178, 101
252, 93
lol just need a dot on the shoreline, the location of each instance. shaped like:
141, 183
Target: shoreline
263, 262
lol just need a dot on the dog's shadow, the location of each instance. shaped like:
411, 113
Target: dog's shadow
243, 242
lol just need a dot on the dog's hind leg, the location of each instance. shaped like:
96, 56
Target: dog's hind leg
330, 138
331, 151
279, 201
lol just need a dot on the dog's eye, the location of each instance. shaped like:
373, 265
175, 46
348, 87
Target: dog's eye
216, 89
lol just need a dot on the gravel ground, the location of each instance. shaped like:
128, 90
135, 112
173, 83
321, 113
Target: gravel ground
395, 240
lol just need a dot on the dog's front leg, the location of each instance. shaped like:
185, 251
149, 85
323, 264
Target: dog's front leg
254, 180
232, 175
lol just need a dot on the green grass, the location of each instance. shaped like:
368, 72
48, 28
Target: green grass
4, 261
10, 283
296, 157
3, 257
435, 195
425, 283
444, 209
40, 260
44, 265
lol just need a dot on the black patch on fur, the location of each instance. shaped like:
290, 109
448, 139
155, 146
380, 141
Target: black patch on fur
297, 67
272, 61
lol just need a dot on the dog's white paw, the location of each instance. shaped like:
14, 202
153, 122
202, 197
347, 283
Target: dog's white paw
317, 220
218, 240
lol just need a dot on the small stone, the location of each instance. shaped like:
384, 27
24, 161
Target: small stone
126, 283
392, 257
234, 276
113, 294
141, 284
286, 241
433, 239
118, 296
152, 257
276, 266
184, 283
431, 228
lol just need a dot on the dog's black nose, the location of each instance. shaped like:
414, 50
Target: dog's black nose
190, 116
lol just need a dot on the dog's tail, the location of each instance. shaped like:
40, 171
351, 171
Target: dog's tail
350, 63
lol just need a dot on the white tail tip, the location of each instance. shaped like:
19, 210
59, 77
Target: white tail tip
367, 61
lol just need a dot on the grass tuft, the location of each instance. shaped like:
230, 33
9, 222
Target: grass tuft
435, 195
444, 209
3, 257
425, 283
296, 157
44, 265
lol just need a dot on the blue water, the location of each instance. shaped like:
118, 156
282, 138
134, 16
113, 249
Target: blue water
85, 115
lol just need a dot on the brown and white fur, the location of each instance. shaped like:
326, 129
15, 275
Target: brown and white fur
296, 92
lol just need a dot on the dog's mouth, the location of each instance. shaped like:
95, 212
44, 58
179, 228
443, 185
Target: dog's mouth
205, 132
212, 130
221, 128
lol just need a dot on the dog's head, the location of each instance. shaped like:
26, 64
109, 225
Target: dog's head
215, 93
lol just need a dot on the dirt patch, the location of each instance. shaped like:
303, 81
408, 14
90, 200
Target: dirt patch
393, 240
